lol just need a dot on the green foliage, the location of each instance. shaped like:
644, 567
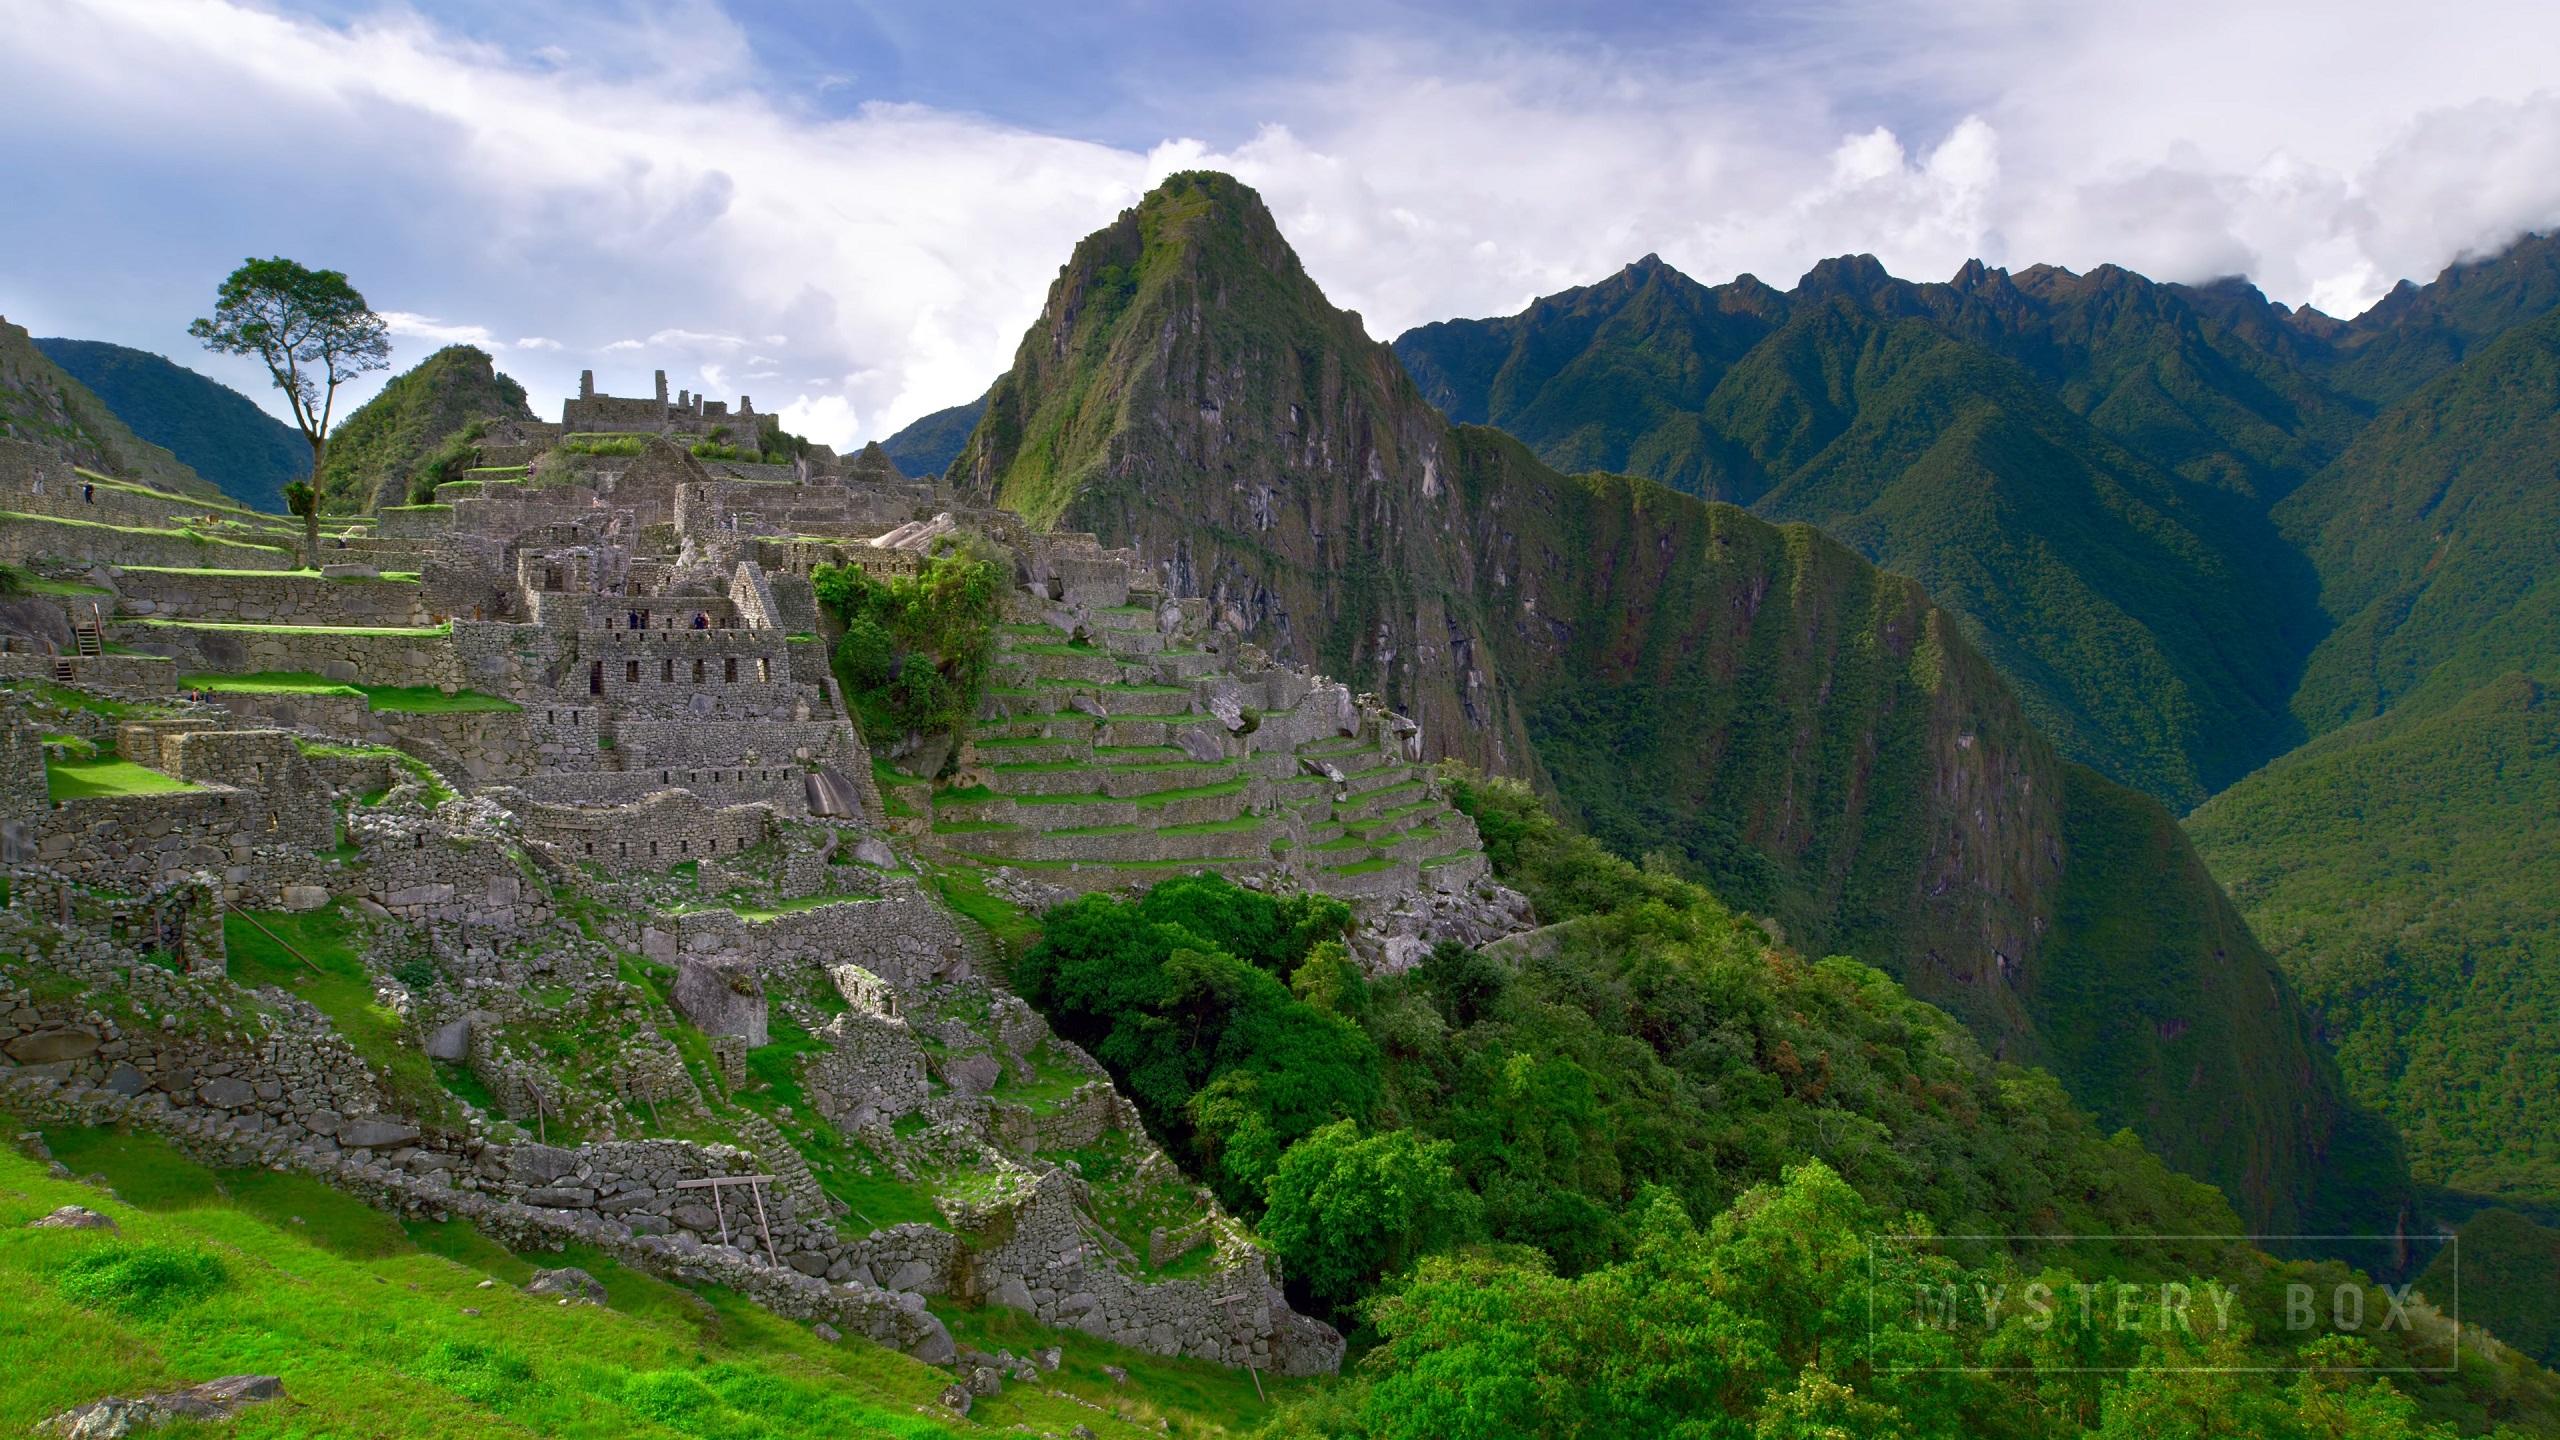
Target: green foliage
1789, 1318
916, 649
141, 1279
375, 457
1348, 1210
384, 1330
602, 444
927, 446
1184, 995
2078, 469
314, 332
2432, 535
450, 460
42, 404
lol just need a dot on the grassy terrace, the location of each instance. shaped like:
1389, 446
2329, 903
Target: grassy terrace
91, 779
1159, 797
395, 577
1185, 865
1116, 688
415, 768
190, 535
413, 632
387, 699
38, 585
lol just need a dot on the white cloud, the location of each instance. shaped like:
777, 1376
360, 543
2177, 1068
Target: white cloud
427, 327
636, 179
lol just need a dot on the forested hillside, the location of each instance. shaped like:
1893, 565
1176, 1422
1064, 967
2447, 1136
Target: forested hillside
2194, 529
211, 427
1808, 735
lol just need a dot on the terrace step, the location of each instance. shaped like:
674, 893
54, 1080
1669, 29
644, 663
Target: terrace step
1371, 803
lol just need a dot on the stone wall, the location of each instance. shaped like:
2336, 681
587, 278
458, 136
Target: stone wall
414, 522
133, 676
903, 936
671, 826
135, 840
376, 657
474, 746
24, 792
267, 598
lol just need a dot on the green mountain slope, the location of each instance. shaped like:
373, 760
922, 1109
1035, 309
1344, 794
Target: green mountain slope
2405, 869
374, 451
44, 406
928, 446
2418, 332
2433, 533
1810, 735
214, 429
2076, 465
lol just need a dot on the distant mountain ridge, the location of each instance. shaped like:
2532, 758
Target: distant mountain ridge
927, 447
1809, 733
41, 404
2085, 467
214, 429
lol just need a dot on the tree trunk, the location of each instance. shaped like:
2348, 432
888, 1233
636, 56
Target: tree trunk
311, 517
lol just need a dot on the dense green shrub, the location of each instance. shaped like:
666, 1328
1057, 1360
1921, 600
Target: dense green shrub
458, 453
916, 649
1184, 993
1348, 1210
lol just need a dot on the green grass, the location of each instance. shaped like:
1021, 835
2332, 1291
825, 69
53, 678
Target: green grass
1363, 867
38, 585
388, 576
91, 779
1241, 825
388, 699
965, 891
370, 1324
413, 632
437, 792
322, 966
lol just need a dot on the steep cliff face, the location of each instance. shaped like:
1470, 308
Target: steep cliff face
1808, 733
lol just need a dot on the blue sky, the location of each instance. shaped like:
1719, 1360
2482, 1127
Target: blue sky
851, 211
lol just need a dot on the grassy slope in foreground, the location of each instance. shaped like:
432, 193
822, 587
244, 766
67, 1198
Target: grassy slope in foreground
371, 1324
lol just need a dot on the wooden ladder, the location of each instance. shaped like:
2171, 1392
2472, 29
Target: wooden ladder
91, 634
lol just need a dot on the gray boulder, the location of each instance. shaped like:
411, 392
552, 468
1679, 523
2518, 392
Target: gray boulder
72, 1217
374, 1132
569, 1283
44, 1047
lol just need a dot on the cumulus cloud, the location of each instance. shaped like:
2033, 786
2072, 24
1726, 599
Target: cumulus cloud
427, 327
636, 194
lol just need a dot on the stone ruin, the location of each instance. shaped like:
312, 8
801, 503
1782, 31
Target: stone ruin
559, 760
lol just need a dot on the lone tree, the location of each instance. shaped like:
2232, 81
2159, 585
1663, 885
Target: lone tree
314, 333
